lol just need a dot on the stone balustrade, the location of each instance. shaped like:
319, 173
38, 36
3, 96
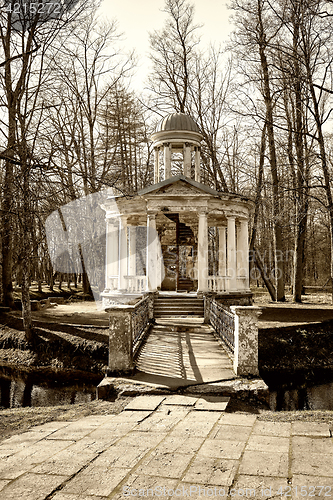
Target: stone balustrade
242, 342
127, 327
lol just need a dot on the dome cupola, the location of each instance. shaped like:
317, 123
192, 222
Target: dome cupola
178, 134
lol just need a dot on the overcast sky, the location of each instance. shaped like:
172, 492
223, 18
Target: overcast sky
138, 17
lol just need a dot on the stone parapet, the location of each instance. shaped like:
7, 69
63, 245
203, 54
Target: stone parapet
120, 339
246, 340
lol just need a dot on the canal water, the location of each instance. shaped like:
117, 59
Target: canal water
301, 391
20, 389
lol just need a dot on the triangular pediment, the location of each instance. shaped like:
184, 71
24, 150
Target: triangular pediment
179, 185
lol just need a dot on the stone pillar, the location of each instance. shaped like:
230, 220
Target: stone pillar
120, 339
246, 339
187, 159
152, 253
123, 262
132, 250
203, 253
243, 252
231, 254
167, 161
197, 164
156, 165
112, 256
222, 251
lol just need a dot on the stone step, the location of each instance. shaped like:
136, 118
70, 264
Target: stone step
178, 306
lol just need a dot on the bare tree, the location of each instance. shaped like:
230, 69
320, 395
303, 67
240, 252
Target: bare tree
25, 38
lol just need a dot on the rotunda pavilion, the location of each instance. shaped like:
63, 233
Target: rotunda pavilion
179, 234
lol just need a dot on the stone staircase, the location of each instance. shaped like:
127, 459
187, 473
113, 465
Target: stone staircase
175, 305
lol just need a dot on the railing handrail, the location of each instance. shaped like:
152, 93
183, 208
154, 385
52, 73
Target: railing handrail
223, 323
140, 332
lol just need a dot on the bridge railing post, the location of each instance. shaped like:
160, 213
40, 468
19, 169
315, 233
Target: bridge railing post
128, 326
246, 340
120, 339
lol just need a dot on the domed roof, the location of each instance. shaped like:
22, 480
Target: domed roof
177, 121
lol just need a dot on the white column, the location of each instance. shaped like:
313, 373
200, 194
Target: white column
187, 159
111, 261
122, 253
222, 251
156, 165
152, 249
197, 164
132, 250
231, 254
203, 253
243, 252
167, 161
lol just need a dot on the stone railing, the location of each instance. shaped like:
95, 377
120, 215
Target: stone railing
113, 283
136, 284
223, 323
238, 329
217, 283
141, 320
128, 325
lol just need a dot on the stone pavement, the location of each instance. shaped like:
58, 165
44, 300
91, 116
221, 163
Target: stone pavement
168, 446
181, 352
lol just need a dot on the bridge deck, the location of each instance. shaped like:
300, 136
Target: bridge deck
181, 352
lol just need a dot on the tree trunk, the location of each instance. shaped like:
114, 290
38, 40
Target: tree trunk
85, 282
278, 240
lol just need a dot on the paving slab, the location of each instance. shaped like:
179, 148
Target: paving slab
268, 443
259, 487
227, 432
313, 464
307, 444
237, 419
31, 487
145, 403
212, 403
310, 429
164, 465
219, 448
180, 444
305, 486
214, 471
138, 437
69, 496
179, 400
262, 463
163, 420
99, 481
72, 432
146, 486
3, 483
272, 428
196, 424
68, 462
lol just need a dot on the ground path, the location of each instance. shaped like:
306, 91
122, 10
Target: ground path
171, 443
274, 314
